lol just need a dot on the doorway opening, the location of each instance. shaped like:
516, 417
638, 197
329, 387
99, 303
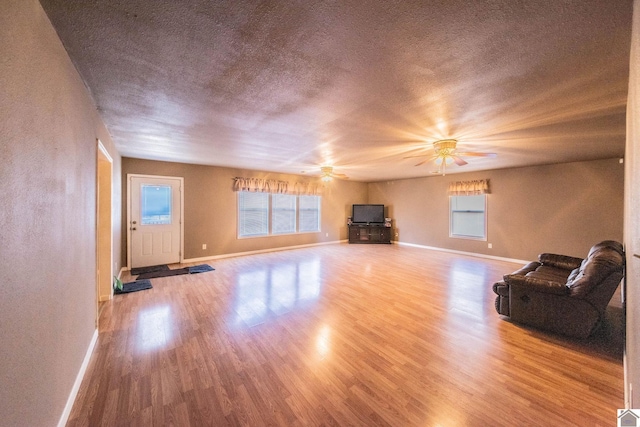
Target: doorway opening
104, 230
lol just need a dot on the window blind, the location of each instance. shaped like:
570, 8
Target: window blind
283, 211
253, 214
309, 213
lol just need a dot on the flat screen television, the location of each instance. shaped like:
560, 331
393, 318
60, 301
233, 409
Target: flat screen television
367, 214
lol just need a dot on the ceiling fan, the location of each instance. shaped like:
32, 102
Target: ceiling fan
327, 174
446, 154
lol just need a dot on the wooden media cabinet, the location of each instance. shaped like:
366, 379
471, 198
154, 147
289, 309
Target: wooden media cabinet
363, 233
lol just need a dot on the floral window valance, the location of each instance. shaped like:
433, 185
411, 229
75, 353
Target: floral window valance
469, 188
275, 186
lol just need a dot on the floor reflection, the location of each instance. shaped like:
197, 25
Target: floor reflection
466, 302
275, 289
467, 294
468, 286
154, 328
323, 342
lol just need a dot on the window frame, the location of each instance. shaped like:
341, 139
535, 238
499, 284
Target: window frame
452, 232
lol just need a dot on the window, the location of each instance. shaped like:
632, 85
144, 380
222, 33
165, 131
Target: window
264, 214
155, 204
253, 214
467, 217
309, 213
283, 211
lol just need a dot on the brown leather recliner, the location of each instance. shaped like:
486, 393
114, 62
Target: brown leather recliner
563, 294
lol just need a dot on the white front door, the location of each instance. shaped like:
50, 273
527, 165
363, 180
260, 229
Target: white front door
155, 220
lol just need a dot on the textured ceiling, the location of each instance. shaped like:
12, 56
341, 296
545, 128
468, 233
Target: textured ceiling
288, 86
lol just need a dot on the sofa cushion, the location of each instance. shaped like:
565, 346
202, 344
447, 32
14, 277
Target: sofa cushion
524, 270
545, 272
573, 275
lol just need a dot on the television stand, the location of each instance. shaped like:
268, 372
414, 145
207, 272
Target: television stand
369, 233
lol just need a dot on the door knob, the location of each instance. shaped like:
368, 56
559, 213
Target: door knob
133, 228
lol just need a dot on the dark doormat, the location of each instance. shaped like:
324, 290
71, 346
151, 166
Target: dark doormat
178, 271
138, 285
153, 268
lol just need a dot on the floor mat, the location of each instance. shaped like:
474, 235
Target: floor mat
187, 270
151, 269
138, 285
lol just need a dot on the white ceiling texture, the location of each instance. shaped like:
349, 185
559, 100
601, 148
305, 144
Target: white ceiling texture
289, 86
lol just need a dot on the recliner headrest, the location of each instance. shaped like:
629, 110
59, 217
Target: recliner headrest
612, 244
605, 259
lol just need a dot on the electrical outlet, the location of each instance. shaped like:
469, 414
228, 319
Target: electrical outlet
204, 246
326, 234
490, 245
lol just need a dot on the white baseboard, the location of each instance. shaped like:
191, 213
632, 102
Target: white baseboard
473, 254
261, 251
76, 385
333, 242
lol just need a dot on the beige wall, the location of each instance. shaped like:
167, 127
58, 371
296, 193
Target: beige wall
210, 209
48, 132
551, 208
563, 208
632, 220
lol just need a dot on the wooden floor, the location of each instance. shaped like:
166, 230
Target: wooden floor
341, 335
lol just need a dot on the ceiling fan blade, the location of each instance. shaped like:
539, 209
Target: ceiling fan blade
340, 176
472, 154
458, 161
427, 160
418, 155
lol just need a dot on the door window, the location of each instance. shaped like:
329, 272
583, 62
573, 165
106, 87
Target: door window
155, 204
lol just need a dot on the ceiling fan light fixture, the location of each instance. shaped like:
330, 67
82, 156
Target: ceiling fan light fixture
445, 146
445, 154
446, 159
326, 173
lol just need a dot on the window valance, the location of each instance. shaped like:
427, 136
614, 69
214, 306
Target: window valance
469, 188
260, 185
307, 188
275, 186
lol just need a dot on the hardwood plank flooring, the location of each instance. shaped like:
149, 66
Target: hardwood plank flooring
341, 335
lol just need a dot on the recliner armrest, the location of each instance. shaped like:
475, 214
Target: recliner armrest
560, 261
538, 285
527, 268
